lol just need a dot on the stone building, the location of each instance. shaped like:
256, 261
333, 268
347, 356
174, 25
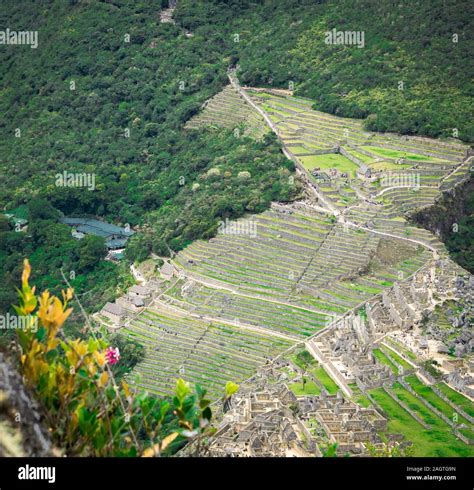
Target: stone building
140, 292
167, 271
115, 313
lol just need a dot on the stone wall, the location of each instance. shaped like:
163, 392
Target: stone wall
352, 158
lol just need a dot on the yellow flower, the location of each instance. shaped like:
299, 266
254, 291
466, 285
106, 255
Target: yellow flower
104, 377
67, 295
52, 344
79, 347
26, 272
71, 357
126, 389
52, 312
100, 358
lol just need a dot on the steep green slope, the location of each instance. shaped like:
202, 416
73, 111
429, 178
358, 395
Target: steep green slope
109, 89
426, 45
107, 92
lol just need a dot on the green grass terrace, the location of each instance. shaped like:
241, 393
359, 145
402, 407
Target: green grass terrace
200, 352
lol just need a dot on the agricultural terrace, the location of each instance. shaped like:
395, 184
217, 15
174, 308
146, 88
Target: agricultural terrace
242, 298
337, 152
251, 296
435, 418
298, 260
414, 411
229, 109
197, 351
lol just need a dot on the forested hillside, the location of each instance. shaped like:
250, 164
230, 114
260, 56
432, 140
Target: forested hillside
426, 45
106, 68
109, 89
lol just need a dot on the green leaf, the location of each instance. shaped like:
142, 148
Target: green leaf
207, 413
231, 388
51, 355
23, 338
182, 389
204, 403
41, 333
200, 391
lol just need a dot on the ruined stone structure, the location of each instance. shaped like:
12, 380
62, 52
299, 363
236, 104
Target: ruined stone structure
269, 420
262, 423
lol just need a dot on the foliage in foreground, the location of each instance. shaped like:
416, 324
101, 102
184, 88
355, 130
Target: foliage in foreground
92, 414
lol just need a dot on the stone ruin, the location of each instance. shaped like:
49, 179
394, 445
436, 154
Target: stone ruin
345, 423
267, 419
261, 423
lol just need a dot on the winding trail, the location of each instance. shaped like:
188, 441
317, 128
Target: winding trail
234, 82
331, 208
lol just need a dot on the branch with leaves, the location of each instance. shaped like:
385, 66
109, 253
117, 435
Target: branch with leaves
88, 413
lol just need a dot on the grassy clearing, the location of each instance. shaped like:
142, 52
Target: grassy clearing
457, 398
310, 388
429, 443
358, 397
383, 359
303, 359
325, 379
363, 401
330, 160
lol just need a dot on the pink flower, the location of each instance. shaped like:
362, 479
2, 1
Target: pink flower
112, 355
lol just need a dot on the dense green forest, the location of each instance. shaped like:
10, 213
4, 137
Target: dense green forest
51, 249
109, 88
156, 177
426, 45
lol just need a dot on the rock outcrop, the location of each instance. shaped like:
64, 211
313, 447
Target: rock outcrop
22, 432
